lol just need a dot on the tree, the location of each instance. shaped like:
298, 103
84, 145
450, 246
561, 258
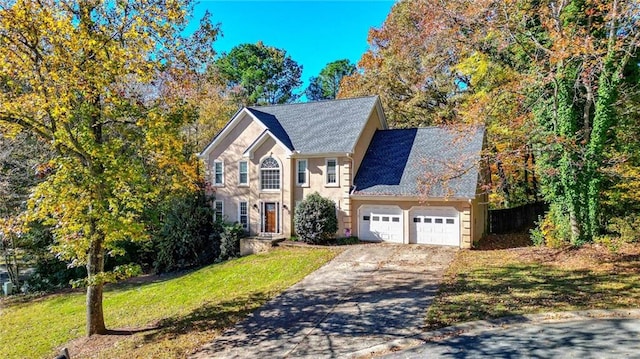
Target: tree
259, 74
327, 84
580, 57
80, 76
315, 219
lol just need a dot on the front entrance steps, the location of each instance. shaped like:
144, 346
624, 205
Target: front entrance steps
259, 244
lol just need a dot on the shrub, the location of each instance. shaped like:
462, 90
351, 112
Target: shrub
186, 234
230, 240
315, 219
552, 230
49, 272
627, 229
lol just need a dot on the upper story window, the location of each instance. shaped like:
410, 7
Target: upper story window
243, 173
331, 175
269, 174
302, 177
218, 173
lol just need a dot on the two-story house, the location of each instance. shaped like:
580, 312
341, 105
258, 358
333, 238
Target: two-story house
268, 158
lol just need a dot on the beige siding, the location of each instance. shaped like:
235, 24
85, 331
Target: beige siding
230, 151
338, 193
362, 145
479, 217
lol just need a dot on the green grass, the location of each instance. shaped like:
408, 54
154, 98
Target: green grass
187, 311
497, 283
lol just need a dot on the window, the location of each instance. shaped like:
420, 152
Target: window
332, 171
365, 218
385, 219
395, 219
416, 219
218, 211
427, 220
438, 220
269, 174
218, 173
243, 215
449, 220
301, 178
243, 173
375, 218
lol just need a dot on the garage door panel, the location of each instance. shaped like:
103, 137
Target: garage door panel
380, 224
437, 225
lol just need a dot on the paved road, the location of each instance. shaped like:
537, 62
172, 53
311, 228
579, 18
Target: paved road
368, 295
593, 338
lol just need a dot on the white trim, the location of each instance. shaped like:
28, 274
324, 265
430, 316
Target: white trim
215, 209
326, 173
247, 215
306, 172
321, 154
260, 140
281, 169
235, 119
240, 184
218, 184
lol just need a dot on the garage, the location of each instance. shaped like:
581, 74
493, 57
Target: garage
436, 225
380, 223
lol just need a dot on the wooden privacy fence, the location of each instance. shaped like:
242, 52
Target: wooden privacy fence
515, 219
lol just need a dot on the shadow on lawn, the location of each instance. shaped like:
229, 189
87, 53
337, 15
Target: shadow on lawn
511, 290
213, 316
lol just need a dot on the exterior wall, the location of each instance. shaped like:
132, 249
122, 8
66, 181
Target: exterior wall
338, 193
230, 151
480, 213
469, 236
362, 145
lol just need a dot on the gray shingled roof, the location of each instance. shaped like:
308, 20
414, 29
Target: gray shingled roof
397, 161
317, 127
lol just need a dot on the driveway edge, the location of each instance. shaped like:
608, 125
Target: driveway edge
494, 324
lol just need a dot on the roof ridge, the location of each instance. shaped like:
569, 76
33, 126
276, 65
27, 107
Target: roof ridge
311, 102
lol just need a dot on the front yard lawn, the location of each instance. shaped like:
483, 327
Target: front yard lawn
485, 284
164, 318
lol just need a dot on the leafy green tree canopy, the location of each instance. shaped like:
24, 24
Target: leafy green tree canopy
82, 77
260, 74
327, 84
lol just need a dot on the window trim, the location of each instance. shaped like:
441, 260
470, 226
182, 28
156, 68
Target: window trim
240, 183
326, 173
215, 183
306, 172
280, 173
246, 215
215, 210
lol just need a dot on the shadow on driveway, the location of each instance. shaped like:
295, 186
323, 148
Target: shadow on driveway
368, 295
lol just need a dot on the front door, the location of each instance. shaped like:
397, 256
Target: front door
270, 218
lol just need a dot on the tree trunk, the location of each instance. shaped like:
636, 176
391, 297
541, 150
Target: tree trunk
95, 267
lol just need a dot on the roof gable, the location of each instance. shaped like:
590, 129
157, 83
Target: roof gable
332, 126
320, 127
397, 161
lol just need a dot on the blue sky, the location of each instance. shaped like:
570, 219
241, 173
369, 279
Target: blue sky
313, 33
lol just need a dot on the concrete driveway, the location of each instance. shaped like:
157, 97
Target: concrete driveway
590, 338
368, 295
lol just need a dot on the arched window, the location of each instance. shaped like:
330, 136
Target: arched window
270, 174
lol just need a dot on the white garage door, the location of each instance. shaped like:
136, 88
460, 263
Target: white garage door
437, 225
380, 224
